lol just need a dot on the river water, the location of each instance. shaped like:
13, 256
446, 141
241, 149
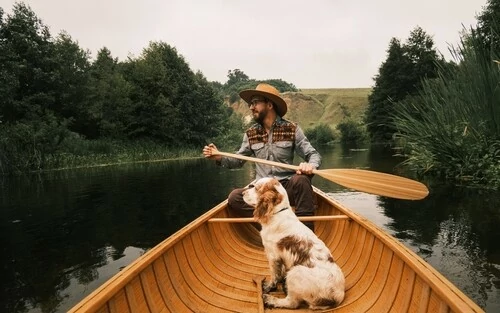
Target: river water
64, 233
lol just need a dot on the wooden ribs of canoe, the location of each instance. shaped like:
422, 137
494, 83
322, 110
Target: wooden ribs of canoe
217, 267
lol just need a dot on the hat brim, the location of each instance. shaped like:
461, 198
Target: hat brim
281, 106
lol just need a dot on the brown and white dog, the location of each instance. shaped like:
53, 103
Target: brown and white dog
295, 254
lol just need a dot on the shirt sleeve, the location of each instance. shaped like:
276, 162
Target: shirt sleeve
237, 163
305, 150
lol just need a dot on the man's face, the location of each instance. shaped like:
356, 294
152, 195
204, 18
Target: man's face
258, 106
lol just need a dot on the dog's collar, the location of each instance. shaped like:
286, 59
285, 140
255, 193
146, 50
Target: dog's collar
281, 210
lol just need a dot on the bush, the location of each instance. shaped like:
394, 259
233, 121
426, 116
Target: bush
322, 134
451, 129
24, 146
352, 132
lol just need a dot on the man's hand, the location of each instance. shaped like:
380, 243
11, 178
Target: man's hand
207, 152
305, 168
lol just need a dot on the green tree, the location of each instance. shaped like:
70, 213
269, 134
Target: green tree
322, 134
71, 80
212, 117
150, 77
171, 103
400, 75
109, 96
27, 66
236, 76
390, 84
488, 26
31, 123
8, 78
219, 87
238, 80
351, 132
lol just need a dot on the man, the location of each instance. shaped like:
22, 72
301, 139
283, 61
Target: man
276, 139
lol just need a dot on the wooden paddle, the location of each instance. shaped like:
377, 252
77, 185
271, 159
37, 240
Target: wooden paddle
376, 183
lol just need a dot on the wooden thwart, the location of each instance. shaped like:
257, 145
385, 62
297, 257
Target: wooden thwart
301, 218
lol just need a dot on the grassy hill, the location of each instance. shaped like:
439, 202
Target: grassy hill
310, 107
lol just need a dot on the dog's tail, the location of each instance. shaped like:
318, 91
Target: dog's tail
335, 292
335, 297
324, 303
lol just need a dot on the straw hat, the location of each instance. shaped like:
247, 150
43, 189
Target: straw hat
270, 93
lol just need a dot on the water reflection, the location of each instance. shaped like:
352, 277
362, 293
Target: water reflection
58, 229
456, 230
64, 233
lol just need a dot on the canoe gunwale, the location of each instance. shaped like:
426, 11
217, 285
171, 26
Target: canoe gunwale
438, 283
455, 299
97, 299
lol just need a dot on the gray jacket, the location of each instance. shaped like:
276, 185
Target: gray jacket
285, 139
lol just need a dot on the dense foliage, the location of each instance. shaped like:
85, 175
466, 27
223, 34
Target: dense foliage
451, 127
488, 26
59, 107
52, 95
459, 138
400, 75
238, 80
352, 132
322, 134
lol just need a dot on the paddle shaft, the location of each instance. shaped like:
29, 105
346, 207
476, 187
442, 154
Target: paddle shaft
256, 160
377, 183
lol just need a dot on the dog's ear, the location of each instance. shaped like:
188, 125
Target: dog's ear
269, 197
264, 208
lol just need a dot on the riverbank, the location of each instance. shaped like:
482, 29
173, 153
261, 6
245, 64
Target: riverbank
95, 153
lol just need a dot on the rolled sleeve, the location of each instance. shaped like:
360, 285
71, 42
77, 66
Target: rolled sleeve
229, 162
305, 150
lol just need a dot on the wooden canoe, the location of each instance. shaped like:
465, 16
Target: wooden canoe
214, 265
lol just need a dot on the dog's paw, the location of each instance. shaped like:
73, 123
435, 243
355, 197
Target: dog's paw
269, 286
268, 301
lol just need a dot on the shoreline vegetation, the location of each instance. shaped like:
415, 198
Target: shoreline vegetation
61, 108
182, 155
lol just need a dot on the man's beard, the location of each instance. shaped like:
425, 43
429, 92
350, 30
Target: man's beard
259, 118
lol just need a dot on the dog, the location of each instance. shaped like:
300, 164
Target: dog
295, 254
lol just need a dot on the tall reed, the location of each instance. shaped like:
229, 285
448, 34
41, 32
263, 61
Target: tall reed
451, 129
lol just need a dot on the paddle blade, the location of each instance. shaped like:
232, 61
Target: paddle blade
376, 183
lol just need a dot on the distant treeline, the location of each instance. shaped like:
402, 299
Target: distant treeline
60, 108
238, 80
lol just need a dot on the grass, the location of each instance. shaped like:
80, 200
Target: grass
117, 153
340, 103
76, 152
451, 129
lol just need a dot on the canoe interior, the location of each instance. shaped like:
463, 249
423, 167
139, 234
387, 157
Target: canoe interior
210, 267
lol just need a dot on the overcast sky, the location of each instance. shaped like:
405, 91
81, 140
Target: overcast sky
312, 44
